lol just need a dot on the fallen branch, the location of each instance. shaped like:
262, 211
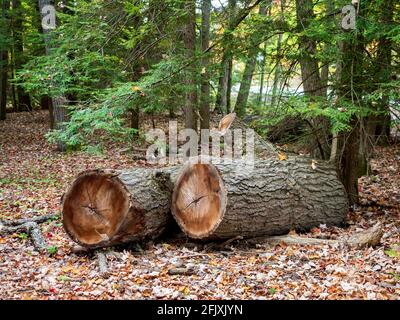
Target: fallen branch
32, 229
38, 220
30, 226
367, 238
102, 261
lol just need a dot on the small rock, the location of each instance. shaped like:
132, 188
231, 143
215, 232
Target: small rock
377, 267
180, 271
160, 292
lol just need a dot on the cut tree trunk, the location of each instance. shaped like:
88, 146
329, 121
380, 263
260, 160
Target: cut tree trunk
103, 208
222, 201
209, 201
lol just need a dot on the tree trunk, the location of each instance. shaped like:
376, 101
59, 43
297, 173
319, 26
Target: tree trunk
24, 100
218, 201
245, 84
135, 120
278, 66
311, 79
5, 7
262, 72
189, 40
40, 50
103, 208
221, 101
380, 131
60, 115
223, 82
308, 49
205, 74
229, 86
351, 86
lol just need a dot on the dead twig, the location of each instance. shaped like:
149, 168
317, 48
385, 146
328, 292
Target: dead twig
38, 220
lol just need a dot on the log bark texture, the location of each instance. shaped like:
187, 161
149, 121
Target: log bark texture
106, 207
222, 201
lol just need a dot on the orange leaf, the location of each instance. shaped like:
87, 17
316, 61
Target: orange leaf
282, 156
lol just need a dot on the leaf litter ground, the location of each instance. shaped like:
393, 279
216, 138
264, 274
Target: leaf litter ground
33, 178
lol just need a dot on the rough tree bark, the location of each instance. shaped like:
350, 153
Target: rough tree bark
222, 201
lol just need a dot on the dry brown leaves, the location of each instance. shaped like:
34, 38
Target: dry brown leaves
33, 177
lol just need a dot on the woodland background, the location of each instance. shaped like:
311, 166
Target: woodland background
83, 95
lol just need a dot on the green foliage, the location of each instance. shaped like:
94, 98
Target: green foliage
271, 291
111, 59
22, 236
52, 250
393, 252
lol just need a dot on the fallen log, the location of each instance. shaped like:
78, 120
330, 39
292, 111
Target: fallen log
106, 207
223, 201
209, 201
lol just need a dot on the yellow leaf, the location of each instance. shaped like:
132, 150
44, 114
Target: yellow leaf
135, 88
282, 156
186, 291
252, 260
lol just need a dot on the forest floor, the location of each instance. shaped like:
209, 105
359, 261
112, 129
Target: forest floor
33, 178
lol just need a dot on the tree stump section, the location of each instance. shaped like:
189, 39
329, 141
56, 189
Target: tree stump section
106, 207
223, 201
